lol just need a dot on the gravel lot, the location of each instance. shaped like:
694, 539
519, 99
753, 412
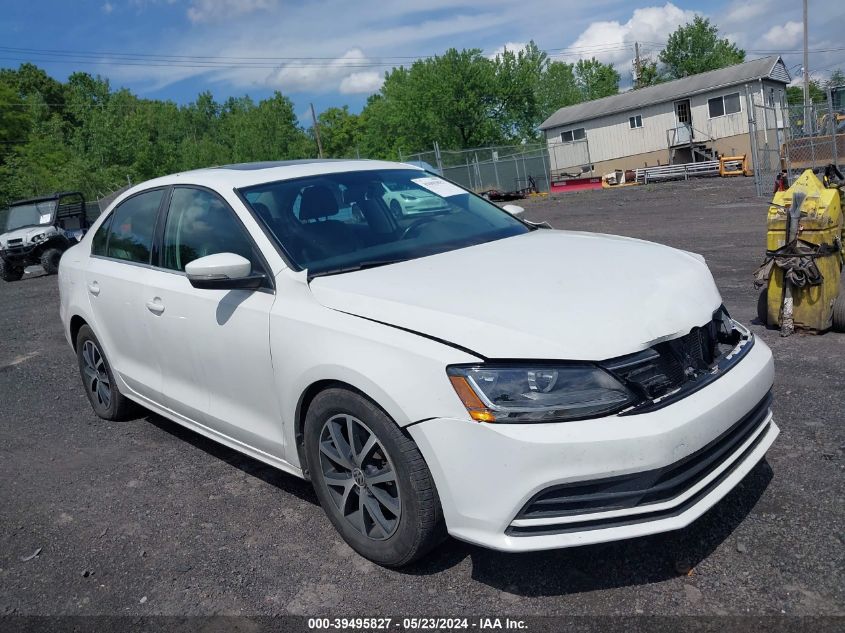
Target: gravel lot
143, 517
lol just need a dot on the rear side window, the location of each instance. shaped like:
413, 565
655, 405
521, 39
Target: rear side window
199, 224
101, 237
132, 226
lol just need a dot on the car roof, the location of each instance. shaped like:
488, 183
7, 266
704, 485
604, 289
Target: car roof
228, 177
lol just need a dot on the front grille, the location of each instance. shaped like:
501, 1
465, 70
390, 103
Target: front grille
649, 487
672, 369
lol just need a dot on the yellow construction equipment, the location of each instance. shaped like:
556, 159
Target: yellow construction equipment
734, 166
804, 257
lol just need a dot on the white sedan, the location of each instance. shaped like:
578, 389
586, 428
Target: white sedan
281, 309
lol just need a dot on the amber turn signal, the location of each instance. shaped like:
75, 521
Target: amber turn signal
475, 407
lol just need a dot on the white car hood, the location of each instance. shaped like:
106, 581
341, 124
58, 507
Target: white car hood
542, 295
25, 232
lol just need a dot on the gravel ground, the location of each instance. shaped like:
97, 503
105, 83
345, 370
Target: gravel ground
143, 517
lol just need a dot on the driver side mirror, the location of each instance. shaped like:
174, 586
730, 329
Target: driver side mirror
513, 209
223, 271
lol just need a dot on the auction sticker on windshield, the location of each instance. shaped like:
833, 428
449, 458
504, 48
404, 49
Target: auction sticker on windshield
439, 186
44, 219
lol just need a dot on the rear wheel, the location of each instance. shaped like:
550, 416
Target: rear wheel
98, 379
371, 479
839, 311
50, 260
9, 272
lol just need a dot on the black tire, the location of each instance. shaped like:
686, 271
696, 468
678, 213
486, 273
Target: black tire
50, 260
763, 307
419, 527
839, 311
117, 406
9, 273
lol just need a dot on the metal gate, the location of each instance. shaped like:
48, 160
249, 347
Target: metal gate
767, 134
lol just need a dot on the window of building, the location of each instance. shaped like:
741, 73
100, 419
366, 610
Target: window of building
132, 225
635, 121
726, 104
199, 224
578, 134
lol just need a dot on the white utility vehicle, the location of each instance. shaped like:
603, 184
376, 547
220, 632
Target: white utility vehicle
460, 371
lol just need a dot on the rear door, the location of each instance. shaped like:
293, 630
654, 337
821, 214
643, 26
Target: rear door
214, 345
116, 279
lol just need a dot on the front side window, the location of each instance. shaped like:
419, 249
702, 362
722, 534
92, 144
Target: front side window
334, 223
199, 224
132, 227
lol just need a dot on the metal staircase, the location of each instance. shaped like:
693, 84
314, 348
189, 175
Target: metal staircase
688, 145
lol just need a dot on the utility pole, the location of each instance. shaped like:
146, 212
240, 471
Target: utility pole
807, 128
638, 69
316, 131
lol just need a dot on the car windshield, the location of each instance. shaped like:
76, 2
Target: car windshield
29, 214
335, 223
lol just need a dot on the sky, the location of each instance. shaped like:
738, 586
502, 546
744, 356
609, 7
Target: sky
335, 52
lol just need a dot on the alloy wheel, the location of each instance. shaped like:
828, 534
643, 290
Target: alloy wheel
360, 477
96, 375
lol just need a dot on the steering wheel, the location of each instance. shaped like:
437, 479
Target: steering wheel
416, 224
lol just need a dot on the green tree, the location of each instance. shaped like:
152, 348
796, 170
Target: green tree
596, 79
837, 78
518, 107
795, 94
557, 88
649, 74
340, 133
695, 48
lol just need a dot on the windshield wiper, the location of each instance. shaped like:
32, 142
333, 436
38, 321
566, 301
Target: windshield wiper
372, 263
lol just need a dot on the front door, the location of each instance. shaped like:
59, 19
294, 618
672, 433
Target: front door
683, 115
214, 345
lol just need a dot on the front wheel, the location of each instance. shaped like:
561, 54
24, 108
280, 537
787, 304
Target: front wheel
50, 260
9, 272
371, 479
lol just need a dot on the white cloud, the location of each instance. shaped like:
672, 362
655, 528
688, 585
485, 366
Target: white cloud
785, 35
216, 10
107, 8
612, 41
345, 74
514, 47
361, 83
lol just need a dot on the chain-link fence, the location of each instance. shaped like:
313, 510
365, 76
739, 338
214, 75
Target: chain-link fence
792, 138
815, 136
504, 168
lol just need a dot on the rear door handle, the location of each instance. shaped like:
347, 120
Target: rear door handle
155, 306
94, 288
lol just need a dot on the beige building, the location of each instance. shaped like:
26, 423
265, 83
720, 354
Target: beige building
681, 121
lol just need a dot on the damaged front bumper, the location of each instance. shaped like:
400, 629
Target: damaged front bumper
671, 462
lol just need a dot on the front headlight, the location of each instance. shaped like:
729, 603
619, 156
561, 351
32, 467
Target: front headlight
538, 393
38, 238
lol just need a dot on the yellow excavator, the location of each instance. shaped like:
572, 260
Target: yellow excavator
802, 273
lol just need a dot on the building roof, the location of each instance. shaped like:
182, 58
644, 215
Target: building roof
771, 68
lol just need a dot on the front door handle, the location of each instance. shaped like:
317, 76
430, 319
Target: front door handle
94, 288
155, 306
